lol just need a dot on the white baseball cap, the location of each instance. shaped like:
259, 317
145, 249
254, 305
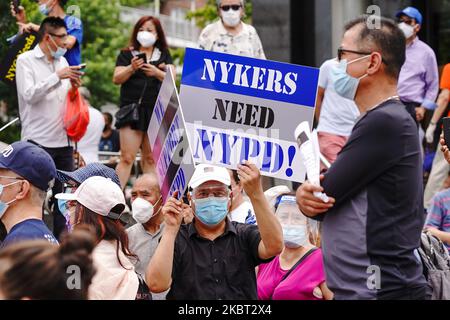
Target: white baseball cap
207, 172
99, 195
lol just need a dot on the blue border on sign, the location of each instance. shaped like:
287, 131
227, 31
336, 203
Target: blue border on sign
306, 82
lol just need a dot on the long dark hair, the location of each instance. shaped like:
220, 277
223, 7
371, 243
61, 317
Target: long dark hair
105, 229
40, 270
161, 43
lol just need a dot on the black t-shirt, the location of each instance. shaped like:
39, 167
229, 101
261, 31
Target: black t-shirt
110, 144
131, 91
374, 228
213, 270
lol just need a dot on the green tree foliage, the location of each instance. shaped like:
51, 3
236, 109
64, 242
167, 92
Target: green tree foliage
207, 14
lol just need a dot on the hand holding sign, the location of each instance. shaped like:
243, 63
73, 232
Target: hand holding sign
308, 203
250, 177
173, 212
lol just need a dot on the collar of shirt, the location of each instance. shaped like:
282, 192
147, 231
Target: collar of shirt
156, 233
229, 227
413, 44
38, 53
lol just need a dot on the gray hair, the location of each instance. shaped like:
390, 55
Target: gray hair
219, 1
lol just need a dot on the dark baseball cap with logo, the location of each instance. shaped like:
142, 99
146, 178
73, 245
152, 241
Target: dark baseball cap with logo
30, 162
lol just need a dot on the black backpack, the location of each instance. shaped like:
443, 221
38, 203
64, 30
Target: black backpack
436, 264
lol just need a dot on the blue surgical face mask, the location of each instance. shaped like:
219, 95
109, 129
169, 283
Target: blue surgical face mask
44, 9
344, 84
60, 52
5, 205
211, 211
295, 236
62, 206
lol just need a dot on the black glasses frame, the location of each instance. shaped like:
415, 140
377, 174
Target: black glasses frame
235, 7
340, 51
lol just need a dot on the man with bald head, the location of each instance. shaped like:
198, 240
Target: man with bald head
146, 204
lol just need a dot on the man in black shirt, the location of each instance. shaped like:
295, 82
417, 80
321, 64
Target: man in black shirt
214, 258
372, 225
110, 140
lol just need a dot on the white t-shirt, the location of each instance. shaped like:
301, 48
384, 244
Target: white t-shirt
88, 145
244, 213
337, 115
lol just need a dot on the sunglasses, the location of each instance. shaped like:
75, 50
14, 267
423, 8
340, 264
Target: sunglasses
341, 51
234, 7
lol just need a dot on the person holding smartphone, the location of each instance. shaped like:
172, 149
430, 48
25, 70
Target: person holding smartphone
54, 8
140, 80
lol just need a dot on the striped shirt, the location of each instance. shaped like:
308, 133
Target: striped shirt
438, 214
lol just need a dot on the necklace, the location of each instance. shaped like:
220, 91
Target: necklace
390, 98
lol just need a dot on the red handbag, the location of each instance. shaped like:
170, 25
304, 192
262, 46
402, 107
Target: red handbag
76, 119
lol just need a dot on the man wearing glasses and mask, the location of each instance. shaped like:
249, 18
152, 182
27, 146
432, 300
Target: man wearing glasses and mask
214, 258
372, 224
230, 34
44, 79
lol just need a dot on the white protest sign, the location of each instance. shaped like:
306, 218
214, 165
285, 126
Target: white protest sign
239, 108
169, 142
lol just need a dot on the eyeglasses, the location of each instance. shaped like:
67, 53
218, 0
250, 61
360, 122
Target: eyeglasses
234, 7
207, 192
341, 51
13, 178
60, 36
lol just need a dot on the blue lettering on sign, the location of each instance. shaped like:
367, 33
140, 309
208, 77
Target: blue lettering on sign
272, 154
171, 143
159, 111
251, 77
179, 183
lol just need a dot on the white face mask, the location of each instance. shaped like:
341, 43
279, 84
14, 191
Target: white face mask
407, 30
231, 18
146, 39
143, 210
295, 236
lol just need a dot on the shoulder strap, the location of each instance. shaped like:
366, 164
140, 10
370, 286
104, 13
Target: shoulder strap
143, 92
306, 255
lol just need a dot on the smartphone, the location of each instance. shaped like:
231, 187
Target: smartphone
16, 4
446, 129
142, 56
82, 67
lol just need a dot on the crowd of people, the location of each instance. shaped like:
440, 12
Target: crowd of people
227, 238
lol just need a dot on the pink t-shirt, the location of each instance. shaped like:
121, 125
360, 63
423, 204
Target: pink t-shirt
299, 285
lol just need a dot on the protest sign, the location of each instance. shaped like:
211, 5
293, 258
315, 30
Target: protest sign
22, 43
169, 142
239, 108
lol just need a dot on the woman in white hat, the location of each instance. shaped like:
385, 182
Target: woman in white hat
100, 202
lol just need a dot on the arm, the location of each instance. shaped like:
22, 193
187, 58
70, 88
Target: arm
31, 91
159, 271
124, 69
432, 83
320, 96
269, 227
441, 235
442, 103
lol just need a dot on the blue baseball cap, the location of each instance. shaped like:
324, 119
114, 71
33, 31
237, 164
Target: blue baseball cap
412, 13
30, 162
84, 173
